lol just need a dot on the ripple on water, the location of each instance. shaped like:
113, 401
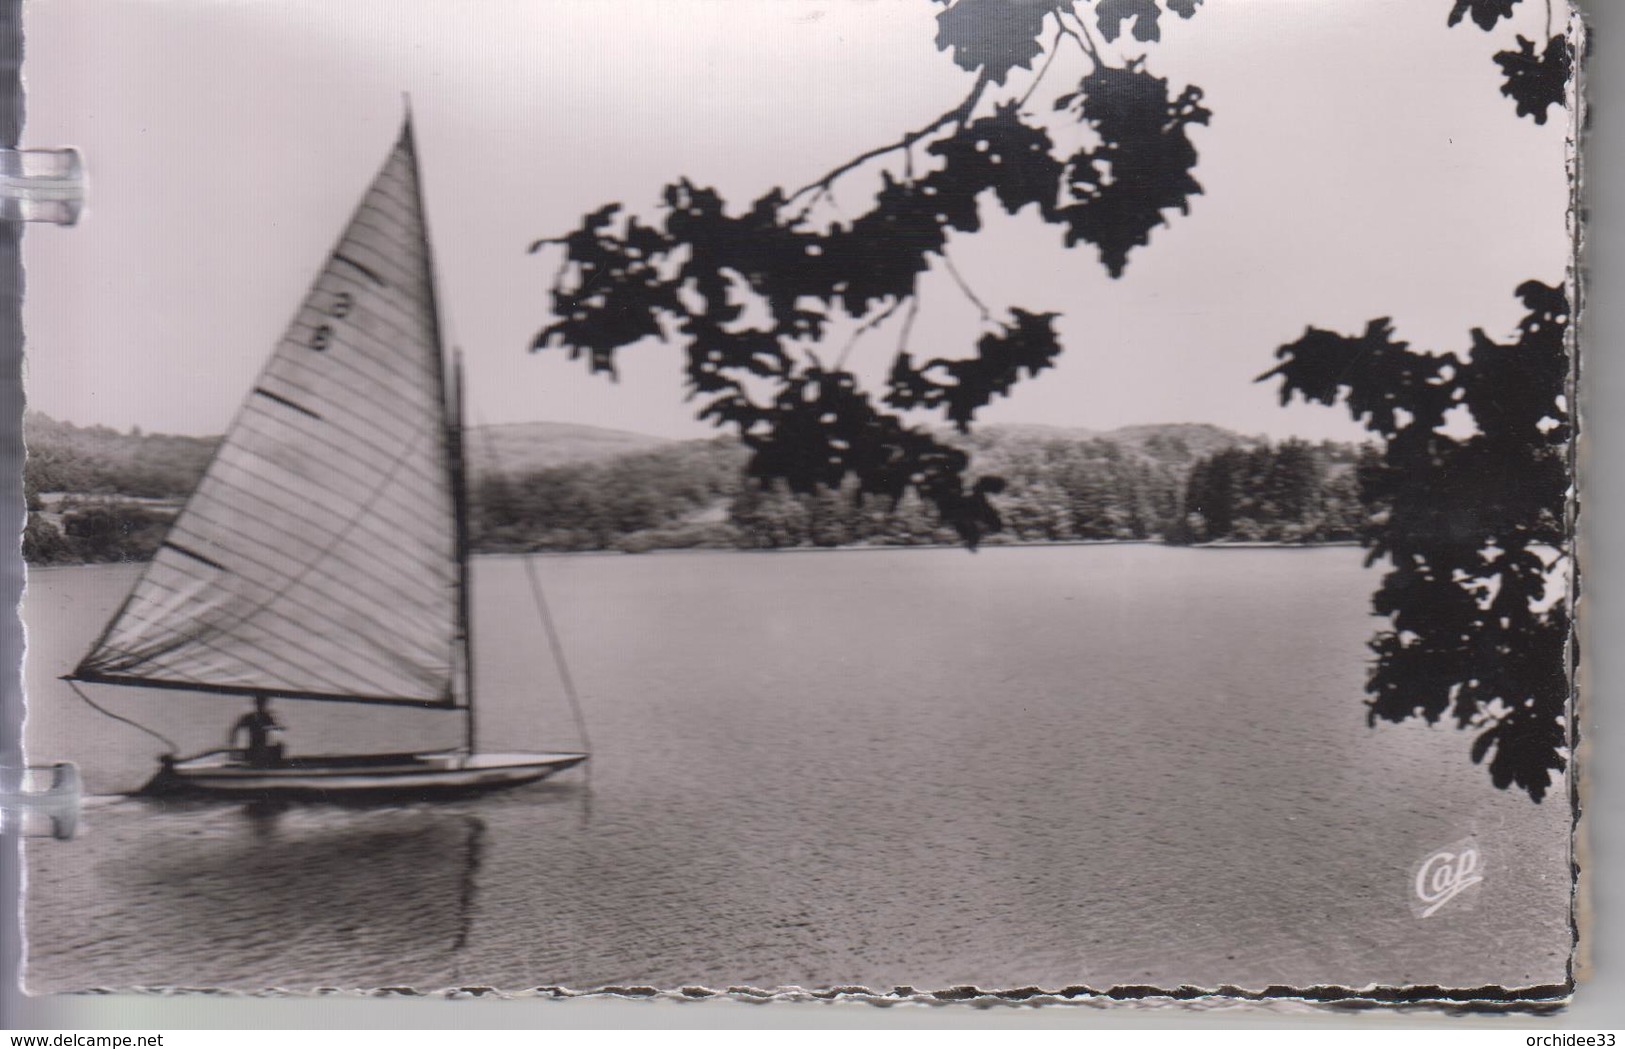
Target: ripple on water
1045, 767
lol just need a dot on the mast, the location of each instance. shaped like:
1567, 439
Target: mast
459, 500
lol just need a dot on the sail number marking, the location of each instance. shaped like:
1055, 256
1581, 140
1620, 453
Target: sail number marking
322, 338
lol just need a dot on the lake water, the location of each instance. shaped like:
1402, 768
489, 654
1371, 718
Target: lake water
1091, 765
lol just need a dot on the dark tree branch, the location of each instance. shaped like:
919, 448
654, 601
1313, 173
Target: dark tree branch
867, 326
908, 324
1054, 49
1086, 40
964, 287
957, 114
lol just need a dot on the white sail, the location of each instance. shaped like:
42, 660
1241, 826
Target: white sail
318, 556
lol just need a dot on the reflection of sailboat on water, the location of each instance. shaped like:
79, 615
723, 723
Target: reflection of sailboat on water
324, 554
372, 895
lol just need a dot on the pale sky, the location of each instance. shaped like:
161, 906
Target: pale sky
1360, 163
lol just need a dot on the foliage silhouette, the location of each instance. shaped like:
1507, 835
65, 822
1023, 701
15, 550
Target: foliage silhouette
1476, 526
994, 36
749, 292
1485, 12
1110, 15
1142, 167
1475, 523
1535, 81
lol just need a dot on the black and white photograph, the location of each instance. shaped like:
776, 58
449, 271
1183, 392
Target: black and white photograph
910, 500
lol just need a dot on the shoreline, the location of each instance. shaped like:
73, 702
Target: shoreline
866, 548
872, 547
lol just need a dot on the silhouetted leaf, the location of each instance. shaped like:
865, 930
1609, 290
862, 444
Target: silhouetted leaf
884, 252
1111, 14
994, 36
613, 293
1142, 166
1027, 347
1375, 375
822, 429
997, 152
1485, 12
1536, 82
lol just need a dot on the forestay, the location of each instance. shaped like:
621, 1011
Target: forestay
318, 555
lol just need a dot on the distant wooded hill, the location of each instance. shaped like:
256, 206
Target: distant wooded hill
521, 449
96, 494
98, 460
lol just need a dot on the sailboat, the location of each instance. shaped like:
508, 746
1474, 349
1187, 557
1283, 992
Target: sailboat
324, 555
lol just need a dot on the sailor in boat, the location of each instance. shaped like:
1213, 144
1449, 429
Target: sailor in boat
397, 442
261, 727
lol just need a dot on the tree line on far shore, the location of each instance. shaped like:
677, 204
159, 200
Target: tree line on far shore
1292, 492
1179, 484
1059, 487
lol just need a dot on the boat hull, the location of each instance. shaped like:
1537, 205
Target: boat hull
337, 777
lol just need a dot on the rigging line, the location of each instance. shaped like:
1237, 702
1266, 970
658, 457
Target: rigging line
556, 645
159, 736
